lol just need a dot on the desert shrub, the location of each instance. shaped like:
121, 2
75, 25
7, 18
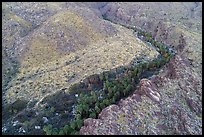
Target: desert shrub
168, 58
18, 105
101, 77
144, 65
141, 32
151, 65
152, 41
162, 61
106, 75
148, 37
139, 71
112, 75
158, 63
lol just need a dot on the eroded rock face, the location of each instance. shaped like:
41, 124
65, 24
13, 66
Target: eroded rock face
149, 89
127, 116
146, 113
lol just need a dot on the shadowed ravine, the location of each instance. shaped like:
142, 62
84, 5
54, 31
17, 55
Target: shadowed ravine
98, 91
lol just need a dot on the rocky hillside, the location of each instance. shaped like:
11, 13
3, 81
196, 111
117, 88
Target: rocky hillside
48, 47
178, 85
58, 51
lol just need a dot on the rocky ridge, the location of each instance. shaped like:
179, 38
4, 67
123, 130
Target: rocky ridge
177, 88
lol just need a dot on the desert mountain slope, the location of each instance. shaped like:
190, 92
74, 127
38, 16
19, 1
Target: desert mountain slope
179, 84
68, 37
49, 46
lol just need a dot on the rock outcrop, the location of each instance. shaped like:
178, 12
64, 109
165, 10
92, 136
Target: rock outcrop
159, 106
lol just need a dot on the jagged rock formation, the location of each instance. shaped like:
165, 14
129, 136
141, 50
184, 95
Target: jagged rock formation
165, 104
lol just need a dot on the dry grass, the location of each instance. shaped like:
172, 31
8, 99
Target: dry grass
44, 70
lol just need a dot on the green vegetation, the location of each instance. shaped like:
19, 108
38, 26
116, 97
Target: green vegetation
89, 104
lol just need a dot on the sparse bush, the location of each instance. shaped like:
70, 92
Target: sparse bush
101, 77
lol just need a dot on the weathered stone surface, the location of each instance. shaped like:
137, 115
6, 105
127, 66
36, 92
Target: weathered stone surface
149, 89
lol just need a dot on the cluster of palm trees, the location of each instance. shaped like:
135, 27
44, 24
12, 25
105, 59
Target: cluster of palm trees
90, 104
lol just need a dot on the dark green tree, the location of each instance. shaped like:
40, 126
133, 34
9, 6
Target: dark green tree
102, 105
106, 102
79, 123
97, 109
73, 124
92, 115
94, 97
61, 132
67, 129
55, 131
113, 100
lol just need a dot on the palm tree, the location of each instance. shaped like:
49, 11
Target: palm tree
92, 115
113, 100
67, 129
79, 123
73, 125
97, 109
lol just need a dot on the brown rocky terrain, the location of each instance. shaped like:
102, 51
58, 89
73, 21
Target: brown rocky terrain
169, 103
47, 47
